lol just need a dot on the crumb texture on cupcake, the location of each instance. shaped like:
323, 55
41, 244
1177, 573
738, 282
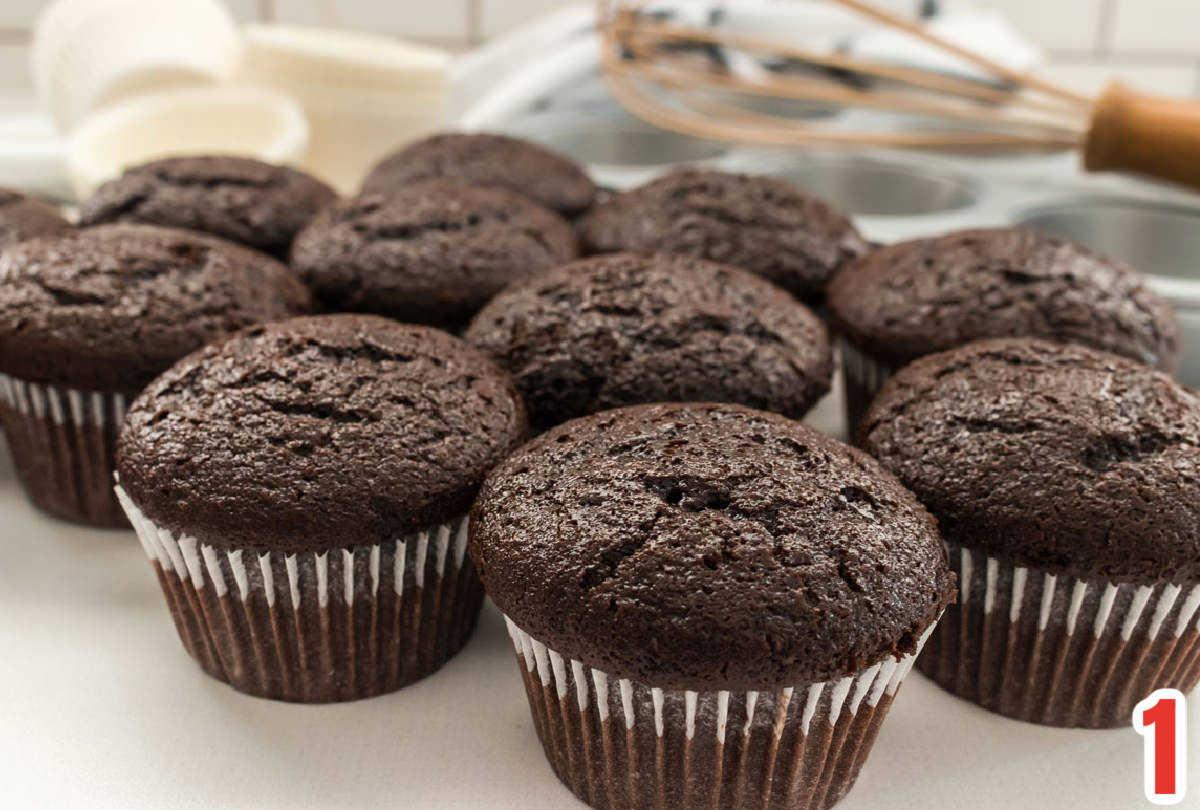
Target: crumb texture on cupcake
109, 308
256, 204
433, 252
909, 299
344, 430
1058, 457
23, 218
640, 327
761, 224
708, 547
484, 159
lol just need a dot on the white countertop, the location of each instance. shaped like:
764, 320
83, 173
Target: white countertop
102, 708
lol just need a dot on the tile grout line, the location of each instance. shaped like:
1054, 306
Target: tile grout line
1106, 28
474, 22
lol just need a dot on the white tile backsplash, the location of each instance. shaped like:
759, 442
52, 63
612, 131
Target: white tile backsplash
1054, 24
1157, 26
414, 18
1153, 44
499, 16
1150, 76
14, 67
19, 14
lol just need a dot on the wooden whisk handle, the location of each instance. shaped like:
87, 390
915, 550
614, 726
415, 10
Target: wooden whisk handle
1151, 136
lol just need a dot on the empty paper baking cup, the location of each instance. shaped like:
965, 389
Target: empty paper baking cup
211, 121
364, 94
87, 54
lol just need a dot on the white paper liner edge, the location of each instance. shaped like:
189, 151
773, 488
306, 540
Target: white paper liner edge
188, 558
38, 400
847, 694
1074, 592
862, 369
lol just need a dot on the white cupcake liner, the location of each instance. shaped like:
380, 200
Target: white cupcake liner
63, 443
219, 120
863, 377
88, 53
364, 95
618, 743
1059, 650
312, 627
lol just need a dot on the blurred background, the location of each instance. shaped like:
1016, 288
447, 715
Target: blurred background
1152, 44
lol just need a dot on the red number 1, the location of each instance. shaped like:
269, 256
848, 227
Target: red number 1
1162, 720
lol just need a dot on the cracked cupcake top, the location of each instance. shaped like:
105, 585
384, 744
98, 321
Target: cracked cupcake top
433, 252
653, 327
708, 546
109, 308
914, 298
758, 223
483, 159
1057, 457
315, 433
256, 204
22, 218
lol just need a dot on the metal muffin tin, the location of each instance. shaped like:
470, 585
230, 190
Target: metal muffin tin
1160, 240
896, 195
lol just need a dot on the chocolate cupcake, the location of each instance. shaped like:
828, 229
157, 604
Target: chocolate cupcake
88, 319
712, 606
301, 491
482, 159
911, 299
24, 218
431, 253
1067, 485
761, 224
256, 204
644, 327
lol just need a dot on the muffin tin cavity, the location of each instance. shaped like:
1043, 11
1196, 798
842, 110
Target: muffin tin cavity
1162, 241
619, 150
867, 187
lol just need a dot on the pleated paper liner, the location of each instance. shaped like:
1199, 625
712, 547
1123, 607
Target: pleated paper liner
863, 377
338, 625
1058, 650
618, 744
63, 444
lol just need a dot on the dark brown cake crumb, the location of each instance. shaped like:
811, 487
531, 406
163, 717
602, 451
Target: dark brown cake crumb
23, 218
708, 546
1058, 457
914, 298
343, 430
111, 307
432, 253
483, 159
629, 328
761, 224
256, 204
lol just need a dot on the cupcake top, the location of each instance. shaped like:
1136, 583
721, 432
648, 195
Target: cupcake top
256, 204
109, 308
643, 327
928, 295
482, 159
23, 218
433, 252
1059, 457
339, 429
708, 546
761, 224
